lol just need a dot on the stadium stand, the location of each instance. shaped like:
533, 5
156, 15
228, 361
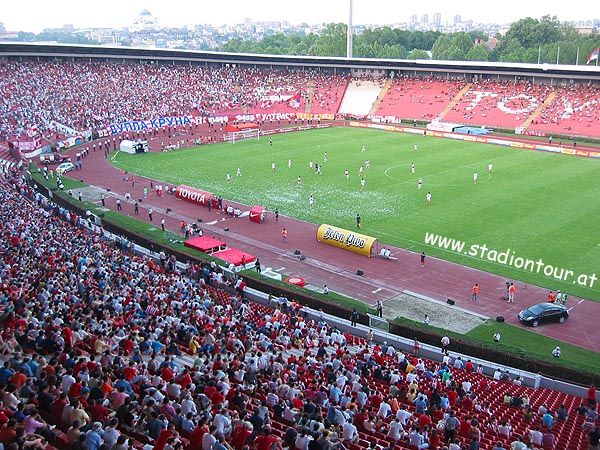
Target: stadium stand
92, 332
574, 110
418, 98
498, 104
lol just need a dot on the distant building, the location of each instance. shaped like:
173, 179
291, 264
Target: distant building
437, 18
144, 22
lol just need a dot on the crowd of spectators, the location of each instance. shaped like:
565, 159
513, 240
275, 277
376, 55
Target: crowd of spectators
91, 96
104, 349
574, 110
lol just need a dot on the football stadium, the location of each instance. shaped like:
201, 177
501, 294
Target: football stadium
207, 250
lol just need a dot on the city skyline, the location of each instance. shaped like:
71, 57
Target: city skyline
115, 14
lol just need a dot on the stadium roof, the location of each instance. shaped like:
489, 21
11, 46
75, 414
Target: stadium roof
44, 50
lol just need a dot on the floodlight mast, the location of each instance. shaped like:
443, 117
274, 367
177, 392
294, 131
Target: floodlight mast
349, 37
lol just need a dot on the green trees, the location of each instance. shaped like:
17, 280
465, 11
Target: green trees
529, 40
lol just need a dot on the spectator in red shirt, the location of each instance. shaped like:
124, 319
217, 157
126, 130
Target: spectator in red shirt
164, 435
266, 441
240, 434
166, 373
591, 396
197, 433
130, 371
469, 367
98, 412
452, 396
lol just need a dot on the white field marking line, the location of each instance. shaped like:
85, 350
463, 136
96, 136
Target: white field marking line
470, 165
376, 291
281, 269
580, 302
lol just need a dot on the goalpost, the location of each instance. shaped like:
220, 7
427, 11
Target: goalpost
240, 132
234, 136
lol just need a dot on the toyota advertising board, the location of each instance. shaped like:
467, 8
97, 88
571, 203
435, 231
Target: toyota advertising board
193, 195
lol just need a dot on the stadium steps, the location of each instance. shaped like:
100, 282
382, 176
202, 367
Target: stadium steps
237, 88
454, 101
310, 95
536, 113
381, 96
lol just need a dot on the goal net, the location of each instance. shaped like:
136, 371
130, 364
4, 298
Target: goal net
233, 136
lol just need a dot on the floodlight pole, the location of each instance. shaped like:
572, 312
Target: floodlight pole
349, 37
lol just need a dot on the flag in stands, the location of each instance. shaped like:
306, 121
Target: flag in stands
594, 55
151, 310
266, 104
295, 101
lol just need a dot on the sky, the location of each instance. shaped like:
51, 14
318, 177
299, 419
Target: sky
35, 15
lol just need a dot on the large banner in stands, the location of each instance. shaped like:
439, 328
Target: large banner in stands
243, 118
193, 195
348, 240
140, 125
175, 121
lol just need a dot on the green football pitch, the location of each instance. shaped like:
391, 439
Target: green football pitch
534, 218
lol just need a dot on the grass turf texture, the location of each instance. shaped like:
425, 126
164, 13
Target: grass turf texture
539, 205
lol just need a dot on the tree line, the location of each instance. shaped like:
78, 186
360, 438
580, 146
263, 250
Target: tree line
528, 40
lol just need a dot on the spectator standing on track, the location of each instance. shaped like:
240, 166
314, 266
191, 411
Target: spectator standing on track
474, 293
276, 214
511, 293
150, 211
423, 259
379, 307
284, 234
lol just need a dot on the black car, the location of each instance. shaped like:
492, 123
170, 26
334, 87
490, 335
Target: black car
544, 312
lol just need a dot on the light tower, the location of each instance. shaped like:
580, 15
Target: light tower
349, 38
